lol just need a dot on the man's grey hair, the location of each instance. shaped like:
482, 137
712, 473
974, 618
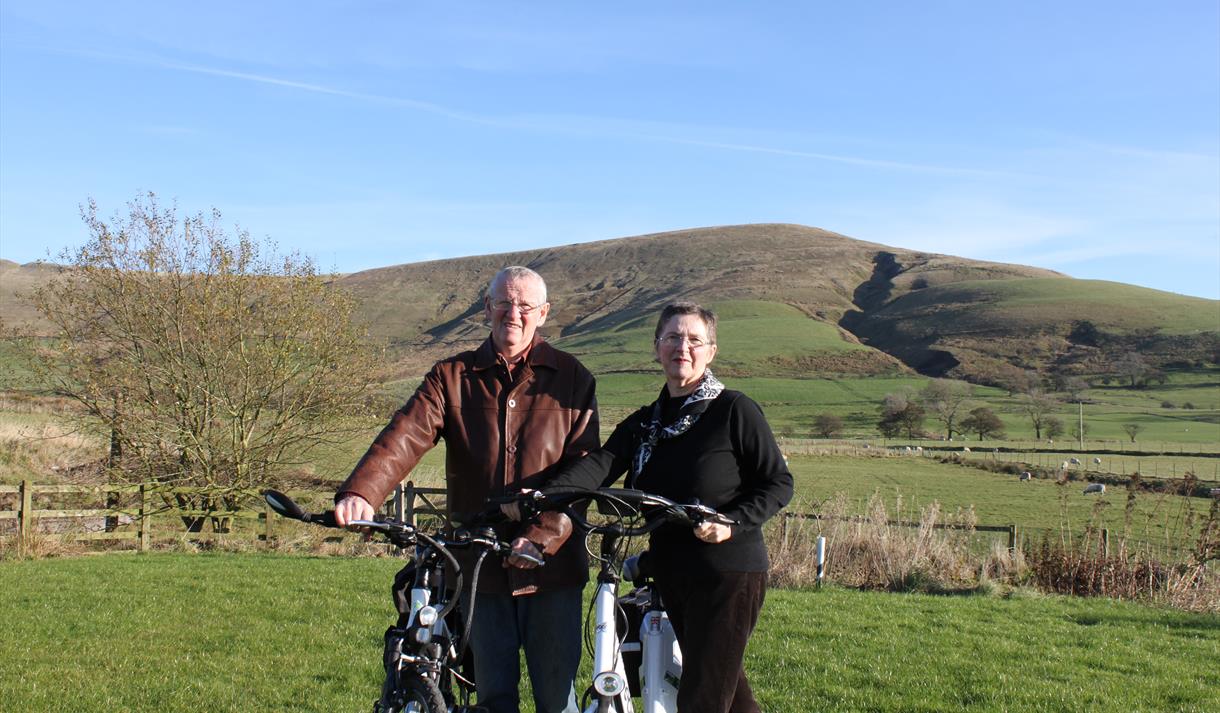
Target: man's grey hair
516, 272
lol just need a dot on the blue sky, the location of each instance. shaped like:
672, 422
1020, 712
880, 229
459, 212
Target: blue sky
1080, 136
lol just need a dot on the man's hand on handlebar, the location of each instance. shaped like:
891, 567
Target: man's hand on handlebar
525, 554
353, 507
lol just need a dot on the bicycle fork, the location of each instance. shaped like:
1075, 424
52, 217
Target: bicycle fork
661, 661
609, 676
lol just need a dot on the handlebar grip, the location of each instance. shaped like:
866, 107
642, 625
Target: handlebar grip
325, 519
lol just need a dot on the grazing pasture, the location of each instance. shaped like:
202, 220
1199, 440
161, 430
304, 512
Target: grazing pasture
1036, 506
249, 633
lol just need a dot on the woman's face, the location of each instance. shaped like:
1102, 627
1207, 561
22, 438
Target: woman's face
684, 350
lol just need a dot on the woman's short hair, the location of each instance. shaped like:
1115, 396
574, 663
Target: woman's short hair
675, 309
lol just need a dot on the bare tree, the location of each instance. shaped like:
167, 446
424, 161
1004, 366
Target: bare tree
1039, 408
946, 399
207, 358
1132, 430
827, 425
900, 411
984, 422
1131, 366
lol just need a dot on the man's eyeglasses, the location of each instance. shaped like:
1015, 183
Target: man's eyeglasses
673, 341
522, 307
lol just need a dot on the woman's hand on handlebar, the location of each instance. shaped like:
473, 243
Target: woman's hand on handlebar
713, 532
512, 510
353, 507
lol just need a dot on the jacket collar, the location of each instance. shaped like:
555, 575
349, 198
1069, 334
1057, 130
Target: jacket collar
541, 354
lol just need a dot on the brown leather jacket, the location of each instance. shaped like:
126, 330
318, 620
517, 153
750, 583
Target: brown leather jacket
501, 434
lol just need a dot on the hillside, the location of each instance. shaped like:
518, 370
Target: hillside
16, 282
602, 288
797, 301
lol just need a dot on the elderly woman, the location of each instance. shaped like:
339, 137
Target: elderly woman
701, 440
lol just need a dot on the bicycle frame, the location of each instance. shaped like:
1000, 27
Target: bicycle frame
422, 656
610, 689
659, 660
660, 657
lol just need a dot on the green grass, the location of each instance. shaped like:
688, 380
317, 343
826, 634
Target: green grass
753, 336
269, 632
1112, 306
850, 651
1035, 506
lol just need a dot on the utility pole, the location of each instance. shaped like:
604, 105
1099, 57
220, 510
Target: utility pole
1080, 403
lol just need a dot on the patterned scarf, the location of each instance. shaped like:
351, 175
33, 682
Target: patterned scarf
692, 408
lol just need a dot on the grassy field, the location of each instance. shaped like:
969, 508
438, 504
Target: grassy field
1114, 306
272, 632
792, 404
910, 483
753, 336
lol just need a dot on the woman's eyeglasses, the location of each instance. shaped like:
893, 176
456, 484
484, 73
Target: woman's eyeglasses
522, 307
673, 341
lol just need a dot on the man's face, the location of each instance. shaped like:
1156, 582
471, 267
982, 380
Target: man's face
515, 309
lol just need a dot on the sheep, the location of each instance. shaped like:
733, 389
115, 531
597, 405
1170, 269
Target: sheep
1074, 461
919, 449
1096, 461
1063, 465
1099, 488
966, 449
1025, 476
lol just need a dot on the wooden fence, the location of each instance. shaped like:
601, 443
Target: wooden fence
150, 513
1010, 530
141, 513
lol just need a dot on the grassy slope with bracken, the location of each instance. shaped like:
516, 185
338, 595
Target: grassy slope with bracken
814, 296
976, 326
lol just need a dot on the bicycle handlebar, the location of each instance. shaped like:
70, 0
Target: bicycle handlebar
398, 532
657, 510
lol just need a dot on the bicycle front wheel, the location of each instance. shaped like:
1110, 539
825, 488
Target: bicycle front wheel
419, 695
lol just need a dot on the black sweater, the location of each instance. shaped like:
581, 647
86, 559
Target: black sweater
728, 459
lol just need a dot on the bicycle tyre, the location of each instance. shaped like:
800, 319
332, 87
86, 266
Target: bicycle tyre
419, 695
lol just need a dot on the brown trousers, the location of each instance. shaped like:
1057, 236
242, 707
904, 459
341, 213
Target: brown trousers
713, 615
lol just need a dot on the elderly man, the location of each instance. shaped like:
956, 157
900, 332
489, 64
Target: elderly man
510, 412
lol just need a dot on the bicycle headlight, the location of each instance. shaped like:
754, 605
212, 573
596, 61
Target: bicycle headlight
608, 683
426, 616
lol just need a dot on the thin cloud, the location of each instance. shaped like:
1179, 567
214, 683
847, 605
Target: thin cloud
322, 89
543, 123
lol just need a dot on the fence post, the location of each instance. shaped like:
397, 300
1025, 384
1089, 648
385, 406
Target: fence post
398, 507
1012, 538
408, 503
821, 554
25, 514
1105, 542
144, 517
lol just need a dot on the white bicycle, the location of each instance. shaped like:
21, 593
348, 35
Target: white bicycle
634, 648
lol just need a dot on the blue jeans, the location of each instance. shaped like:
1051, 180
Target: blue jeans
547, 626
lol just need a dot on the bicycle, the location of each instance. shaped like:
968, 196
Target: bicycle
648, 666
425, 649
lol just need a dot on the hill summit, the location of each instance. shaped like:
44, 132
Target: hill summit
937, 314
